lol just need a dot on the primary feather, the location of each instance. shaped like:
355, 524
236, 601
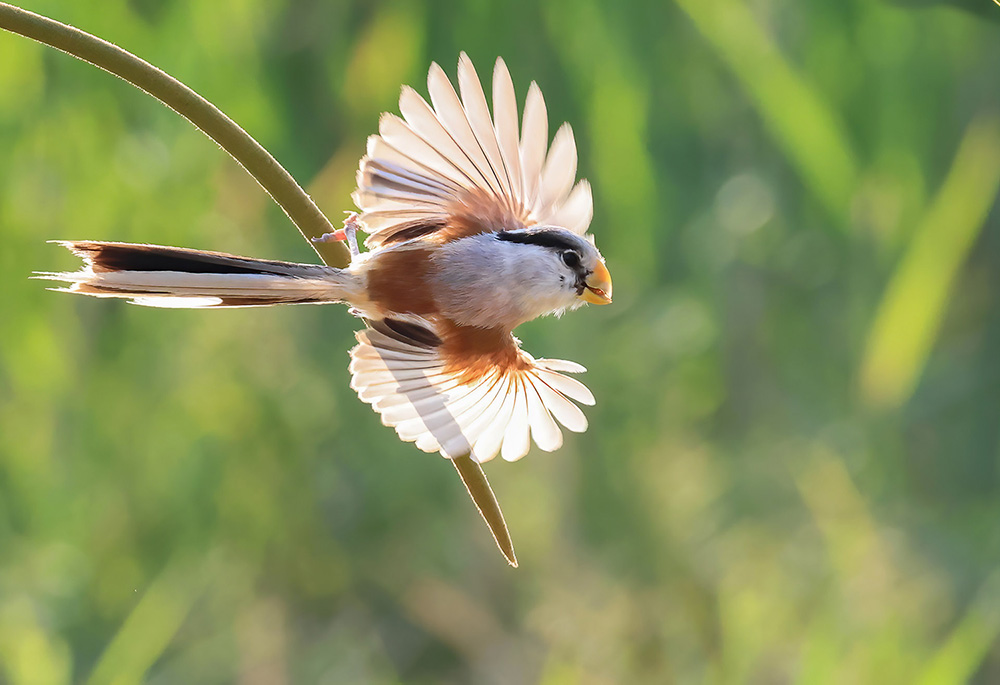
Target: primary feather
415, 393
451, 159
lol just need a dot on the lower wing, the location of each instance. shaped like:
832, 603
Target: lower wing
407, 373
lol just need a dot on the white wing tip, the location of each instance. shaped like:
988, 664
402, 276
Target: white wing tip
563, 365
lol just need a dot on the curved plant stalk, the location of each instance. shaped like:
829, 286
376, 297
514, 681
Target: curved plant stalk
252, 156
489, 508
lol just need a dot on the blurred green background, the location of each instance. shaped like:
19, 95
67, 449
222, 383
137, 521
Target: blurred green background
792, 474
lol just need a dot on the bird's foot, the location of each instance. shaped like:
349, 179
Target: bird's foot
349, 233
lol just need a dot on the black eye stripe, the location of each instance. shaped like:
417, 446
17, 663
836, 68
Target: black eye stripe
542, 238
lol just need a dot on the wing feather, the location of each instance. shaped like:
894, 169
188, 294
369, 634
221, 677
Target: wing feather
565, 412
401, 136
478, 115
489, 417
558, 173
380, 366
534, 139
570, 387
491, 440
544, 430
576, 212
394, 177
416, 404
451, 166
379, 151
505, 123
441, 416
417, 394
516, 441
560, 365
452, 114
425, 123
417, 389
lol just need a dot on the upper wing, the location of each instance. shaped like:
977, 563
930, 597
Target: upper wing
407, 373
454, 169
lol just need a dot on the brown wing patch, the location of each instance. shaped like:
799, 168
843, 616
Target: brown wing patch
398, 281
471, 353
478, 211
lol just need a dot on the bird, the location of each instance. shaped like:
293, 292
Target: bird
475, 225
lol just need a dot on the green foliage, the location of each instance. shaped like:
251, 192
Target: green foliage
791, 474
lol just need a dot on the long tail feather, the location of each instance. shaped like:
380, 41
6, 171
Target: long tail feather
158, 276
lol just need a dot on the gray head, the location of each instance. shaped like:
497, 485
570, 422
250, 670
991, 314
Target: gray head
501, 280
580, 265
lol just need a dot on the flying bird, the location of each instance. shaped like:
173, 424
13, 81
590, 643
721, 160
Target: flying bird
475, 225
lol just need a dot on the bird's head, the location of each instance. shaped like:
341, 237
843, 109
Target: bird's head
571, 258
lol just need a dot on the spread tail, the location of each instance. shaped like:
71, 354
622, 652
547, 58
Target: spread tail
158, 276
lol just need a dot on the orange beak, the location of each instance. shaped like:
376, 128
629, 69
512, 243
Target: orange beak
598, 290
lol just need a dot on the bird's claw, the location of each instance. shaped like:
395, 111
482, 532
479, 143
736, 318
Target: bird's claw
348, 233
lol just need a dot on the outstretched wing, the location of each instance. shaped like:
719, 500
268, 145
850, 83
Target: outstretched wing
449, 168
481, 406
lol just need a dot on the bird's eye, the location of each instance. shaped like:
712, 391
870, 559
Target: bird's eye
571, 259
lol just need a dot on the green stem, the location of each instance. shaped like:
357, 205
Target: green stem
482, 496
258, 162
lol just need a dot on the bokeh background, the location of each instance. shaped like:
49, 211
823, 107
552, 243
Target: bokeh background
792, 474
